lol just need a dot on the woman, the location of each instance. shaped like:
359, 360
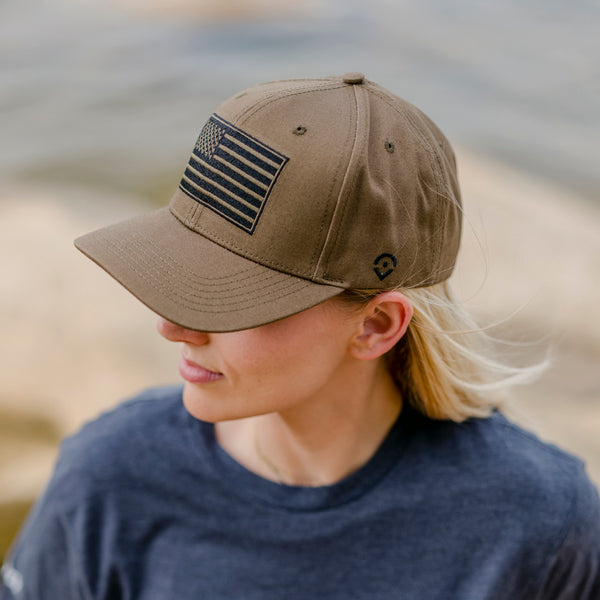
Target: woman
337, 434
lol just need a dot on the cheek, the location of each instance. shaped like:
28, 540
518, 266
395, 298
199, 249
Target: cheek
270, 369
296, 366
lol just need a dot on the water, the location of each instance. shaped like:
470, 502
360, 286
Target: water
95, 95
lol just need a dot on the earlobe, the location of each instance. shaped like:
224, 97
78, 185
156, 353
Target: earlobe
385, 320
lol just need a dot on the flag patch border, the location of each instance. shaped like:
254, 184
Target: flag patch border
236, 186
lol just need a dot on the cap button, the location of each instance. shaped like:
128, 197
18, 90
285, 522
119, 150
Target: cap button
353, 77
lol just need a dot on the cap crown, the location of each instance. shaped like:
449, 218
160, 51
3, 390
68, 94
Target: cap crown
333, 180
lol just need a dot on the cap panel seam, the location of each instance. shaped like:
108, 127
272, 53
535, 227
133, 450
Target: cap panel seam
188, 215
242, 119
249, 111
439, 205
436, 172
332, 236
195, 215
316, 254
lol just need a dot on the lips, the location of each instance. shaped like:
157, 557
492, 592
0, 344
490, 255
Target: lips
195, 373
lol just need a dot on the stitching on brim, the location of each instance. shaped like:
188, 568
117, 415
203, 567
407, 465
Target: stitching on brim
206, 306
242, 275
184, 301
239, 283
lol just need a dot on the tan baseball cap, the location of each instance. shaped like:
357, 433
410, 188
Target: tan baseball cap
294, 191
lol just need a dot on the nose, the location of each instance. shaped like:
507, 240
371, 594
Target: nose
176, 333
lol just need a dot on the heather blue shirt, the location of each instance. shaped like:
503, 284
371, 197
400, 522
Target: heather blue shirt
145, 504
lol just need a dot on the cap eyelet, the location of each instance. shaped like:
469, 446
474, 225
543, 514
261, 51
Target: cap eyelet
389, 146
300, 130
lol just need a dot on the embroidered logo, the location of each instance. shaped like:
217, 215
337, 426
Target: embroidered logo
231, 173
384, 265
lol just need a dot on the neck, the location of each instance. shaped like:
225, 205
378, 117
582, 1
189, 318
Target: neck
322, 440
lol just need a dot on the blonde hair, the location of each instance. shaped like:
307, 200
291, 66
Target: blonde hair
445, 365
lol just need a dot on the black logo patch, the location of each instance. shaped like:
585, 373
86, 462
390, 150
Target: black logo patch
232, 173
384, 265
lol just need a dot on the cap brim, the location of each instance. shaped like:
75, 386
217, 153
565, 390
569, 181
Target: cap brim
192, 281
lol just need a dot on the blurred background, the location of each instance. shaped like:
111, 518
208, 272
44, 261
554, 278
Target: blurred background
101, 103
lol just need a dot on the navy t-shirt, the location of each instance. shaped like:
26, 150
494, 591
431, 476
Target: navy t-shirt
145, 504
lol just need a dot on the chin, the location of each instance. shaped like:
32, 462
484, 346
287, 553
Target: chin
204, 408
198, 406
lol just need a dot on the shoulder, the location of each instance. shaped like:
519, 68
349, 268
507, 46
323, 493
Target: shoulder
102, 483
542, 477
527, 497
120, 446
133, 412
138, 420
533, 465
574, 570
498, 465
497, 446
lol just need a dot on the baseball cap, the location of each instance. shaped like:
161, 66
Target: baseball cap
295, 191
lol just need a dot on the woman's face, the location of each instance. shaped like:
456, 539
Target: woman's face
270, 368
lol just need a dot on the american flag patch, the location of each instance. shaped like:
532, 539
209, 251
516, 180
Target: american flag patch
231, 173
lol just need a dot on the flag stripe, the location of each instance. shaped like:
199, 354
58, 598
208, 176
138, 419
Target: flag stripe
228, 188
216, 206
228, 173
250, 143
243, 166
241, 151
259, 184
223, 193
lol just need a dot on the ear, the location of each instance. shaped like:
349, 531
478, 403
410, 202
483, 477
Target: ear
384, 322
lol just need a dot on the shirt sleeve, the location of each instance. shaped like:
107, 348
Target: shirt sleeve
574, 571
41, 563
